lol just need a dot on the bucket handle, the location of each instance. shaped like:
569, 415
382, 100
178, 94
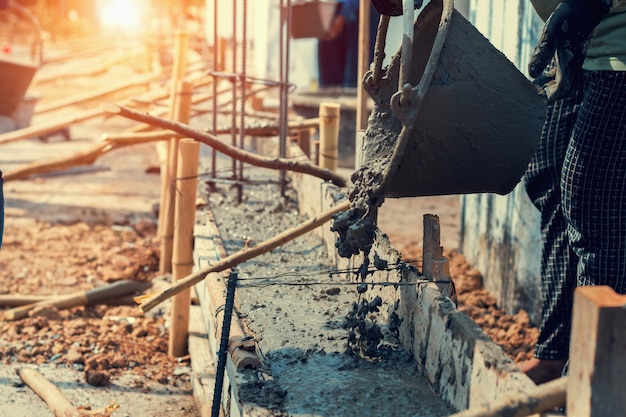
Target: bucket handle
37, 46
406, 102
408, 22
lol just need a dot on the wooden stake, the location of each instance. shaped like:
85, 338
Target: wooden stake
150, 301
182, 261
597, 362
80, 298
435, 266
214, 142
540, 399
329, 135
304, 139
168, 196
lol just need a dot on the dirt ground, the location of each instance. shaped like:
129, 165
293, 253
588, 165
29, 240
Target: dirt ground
87, 227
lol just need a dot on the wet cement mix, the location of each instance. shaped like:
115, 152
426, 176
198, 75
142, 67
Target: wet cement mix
298, 308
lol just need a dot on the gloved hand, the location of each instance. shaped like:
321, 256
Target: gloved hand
392, 7
565, 32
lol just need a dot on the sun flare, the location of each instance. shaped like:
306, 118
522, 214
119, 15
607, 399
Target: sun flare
128, 16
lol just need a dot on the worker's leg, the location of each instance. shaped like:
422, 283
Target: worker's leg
594, 182
331, 59
558, 262
351, 63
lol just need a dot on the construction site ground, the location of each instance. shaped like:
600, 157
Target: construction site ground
88, 226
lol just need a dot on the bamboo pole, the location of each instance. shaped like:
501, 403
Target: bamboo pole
540, 399
100, 92
17, 300
111, 142
178, 72
80, 298
54, 398
166, 213
48, 127
212, 141
329, 135
48, 392
62, 122
86, 157
151, 300
134, 138
182, 260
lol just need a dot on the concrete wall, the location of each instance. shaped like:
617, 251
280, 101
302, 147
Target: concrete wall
500, 235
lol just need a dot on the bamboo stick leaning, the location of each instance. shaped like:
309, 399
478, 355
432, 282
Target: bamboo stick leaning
79, 298
233, 152
149, 301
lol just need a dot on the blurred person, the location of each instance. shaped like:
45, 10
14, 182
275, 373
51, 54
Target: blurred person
338, 50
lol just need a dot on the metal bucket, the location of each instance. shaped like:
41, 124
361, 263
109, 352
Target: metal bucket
17, 72
15, 78
472, 125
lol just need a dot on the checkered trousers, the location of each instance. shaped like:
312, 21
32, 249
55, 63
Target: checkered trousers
577, 179
594, 182
558, 262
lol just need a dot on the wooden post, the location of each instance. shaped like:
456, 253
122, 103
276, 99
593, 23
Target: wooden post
178, 72
316, 146
329, 135
304, 138
435, 266
363, 64
431, 245
182, 261
181, 113
597, 362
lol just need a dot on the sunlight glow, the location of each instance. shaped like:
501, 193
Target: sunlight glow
127, 16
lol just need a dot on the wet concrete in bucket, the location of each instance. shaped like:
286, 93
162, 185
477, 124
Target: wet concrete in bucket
295, 303
469, 129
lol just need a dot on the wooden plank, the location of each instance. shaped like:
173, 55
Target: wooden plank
435, 266
202, 362
598, 354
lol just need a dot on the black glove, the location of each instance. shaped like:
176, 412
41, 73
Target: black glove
566, 31
392, 7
